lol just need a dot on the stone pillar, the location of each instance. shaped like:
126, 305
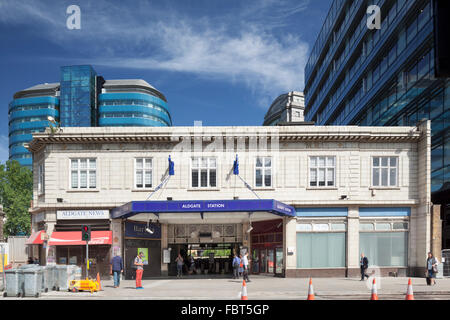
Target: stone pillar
290, 246
116, 227
436, 231
164, 245
353, 253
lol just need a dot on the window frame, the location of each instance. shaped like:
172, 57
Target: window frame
88, 171
41, 178
388, 167
144, 170
208, 169
263, 174
326, 167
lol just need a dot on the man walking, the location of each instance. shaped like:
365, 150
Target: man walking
236, 263
116, 269
139, 263
364, 264
245, 263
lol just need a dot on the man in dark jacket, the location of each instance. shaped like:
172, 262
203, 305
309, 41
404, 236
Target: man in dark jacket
364, 264
116, 269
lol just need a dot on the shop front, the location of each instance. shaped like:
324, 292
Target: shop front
267, 247
66, 246
137, 240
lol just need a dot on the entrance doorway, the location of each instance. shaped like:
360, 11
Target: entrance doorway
267, 247
207, 259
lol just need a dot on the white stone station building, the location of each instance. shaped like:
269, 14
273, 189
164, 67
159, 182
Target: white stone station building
307, 201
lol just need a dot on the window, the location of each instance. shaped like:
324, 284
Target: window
385, 249
263, 172
322, 171
203, 172
384, 171
321, 250
143, 173
41, 179
366, 227
83, 173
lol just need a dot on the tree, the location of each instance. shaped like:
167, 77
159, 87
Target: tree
16, 193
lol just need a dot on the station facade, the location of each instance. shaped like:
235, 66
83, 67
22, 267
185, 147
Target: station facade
305, 200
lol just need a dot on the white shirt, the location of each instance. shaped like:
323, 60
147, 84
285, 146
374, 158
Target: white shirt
245, 261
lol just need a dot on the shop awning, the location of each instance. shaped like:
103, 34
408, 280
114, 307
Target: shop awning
35, 238
73, 238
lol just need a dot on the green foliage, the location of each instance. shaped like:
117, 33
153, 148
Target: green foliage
16, 193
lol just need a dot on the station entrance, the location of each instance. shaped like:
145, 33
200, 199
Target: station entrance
204, 259
206, 249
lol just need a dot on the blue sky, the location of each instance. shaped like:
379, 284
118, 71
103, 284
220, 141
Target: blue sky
219, 61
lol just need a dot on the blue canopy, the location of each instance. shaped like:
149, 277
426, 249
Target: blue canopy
261, 205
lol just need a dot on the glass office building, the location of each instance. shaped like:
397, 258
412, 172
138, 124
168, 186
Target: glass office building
382, 77
27, 114
82, 99
77, 101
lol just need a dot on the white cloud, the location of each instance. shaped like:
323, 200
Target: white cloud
240, 46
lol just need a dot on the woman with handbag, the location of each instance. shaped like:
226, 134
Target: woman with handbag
431, 269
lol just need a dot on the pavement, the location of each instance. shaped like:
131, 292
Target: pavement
260, 288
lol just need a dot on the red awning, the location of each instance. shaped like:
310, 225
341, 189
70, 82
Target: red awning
35, 238
73, 238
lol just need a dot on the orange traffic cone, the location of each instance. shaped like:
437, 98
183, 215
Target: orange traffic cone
374, 291
310, 290
244, 291
98, 281
409, 292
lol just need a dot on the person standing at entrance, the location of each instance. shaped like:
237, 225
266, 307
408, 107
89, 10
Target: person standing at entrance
236, 264
116, 269
139, 263
245, 263
180, 262
432, 264
364, 264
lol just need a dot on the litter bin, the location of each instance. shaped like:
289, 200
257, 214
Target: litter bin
50, 273
63, 272
46, 281
14, 283
33, 282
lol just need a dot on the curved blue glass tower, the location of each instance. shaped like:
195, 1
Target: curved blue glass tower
132, 103
28, 113
83, 99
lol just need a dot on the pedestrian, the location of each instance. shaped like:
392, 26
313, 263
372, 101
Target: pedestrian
36, 260
245, 263
241, 266
364, 264
116, 269
139, 263
432, 264
179, 260
236, 263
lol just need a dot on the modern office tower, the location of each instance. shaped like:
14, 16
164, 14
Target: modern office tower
28, 113
387, 76
82, 99
132, 103
288, 107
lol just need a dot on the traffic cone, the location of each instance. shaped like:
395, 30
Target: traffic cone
244, 291
409, 292
98, 281
374, 291
310, 290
